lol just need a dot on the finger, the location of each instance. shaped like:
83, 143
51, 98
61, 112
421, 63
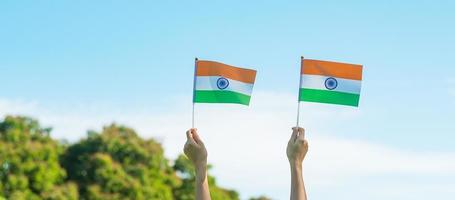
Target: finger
301, 133
294, 134
189, 136
196, 137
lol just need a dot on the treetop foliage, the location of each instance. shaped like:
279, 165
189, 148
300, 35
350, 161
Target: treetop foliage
114, 164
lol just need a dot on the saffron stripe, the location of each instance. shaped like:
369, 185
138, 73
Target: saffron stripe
335, 69
211, 68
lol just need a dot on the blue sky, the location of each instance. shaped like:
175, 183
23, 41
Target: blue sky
70, 59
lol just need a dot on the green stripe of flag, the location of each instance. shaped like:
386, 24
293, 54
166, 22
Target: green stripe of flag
206, 96
326, 96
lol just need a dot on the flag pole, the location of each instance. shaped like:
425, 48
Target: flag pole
300, 86
194, 88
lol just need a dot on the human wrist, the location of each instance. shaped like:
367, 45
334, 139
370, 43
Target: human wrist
296, 165
201, 172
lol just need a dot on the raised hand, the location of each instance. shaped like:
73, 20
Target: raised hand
297, 146
296, 152
195, 151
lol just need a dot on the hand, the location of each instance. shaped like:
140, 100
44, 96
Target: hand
195, 149
297, 147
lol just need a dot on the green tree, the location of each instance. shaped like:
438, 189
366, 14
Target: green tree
118, 164
115, 164
29, 165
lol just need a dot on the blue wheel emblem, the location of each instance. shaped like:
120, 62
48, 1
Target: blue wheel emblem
331, 83
222, 83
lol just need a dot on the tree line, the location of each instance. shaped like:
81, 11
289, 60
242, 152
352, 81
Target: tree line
114, 164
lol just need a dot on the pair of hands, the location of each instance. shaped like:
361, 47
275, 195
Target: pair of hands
195, 149
297, 148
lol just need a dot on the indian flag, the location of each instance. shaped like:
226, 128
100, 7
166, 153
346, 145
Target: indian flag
330, 82
216, 82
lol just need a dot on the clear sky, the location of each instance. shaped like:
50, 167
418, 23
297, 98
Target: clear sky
77, 65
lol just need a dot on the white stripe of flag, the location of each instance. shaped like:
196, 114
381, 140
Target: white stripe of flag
210, 83
318, 82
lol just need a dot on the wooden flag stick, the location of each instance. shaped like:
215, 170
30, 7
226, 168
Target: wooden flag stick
194, 88
192, 118
300, 86
298, 113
